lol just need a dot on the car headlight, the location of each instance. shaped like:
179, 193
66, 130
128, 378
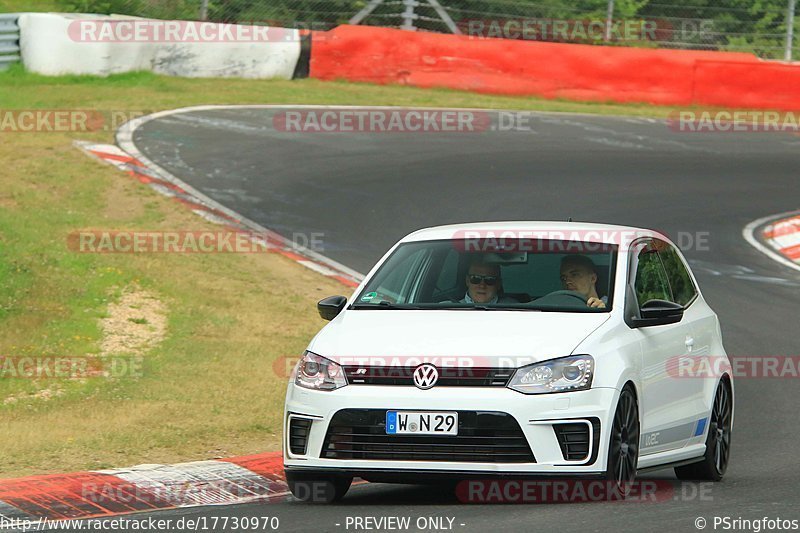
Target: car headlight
316, 372
557, 375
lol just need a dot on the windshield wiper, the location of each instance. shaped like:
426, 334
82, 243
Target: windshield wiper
463, 307
489, 307
383, 304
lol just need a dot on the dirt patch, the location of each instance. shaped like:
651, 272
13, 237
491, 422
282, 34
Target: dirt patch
45, 394
135, 324
6, 202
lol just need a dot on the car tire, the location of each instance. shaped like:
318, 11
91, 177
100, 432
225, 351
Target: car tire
714, 463
314, 488
623, 449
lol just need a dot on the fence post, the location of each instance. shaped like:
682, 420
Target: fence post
204, 10
609, 19
409, 15
789, 31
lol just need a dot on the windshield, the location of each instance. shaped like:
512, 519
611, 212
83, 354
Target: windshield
550, 275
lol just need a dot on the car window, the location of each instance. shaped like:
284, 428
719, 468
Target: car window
432, 274
683, 290
651, 279
401, 281
534, 278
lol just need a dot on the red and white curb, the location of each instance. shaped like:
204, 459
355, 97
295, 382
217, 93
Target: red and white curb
778, 237
784, 236
144, 488
172, 187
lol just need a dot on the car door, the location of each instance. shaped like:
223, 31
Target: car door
700, 323
665, 425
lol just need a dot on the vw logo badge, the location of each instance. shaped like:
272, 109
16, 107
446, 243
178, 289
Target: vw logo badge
425, 376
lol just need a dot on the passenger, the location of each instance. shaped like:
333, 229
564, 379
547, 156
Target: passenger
579, 274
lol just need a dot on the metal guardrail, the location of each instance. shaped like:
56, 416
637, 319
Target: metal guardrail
9, 40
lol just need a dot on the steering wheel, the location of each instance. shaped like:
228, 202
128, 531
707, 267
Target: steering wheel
565, 294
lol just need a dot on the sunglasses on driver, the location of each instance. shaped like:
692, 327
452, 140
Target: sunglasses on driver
476, 279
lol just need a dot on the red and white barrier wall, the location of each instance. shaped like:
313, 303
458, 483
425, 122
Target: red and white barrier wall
554, 70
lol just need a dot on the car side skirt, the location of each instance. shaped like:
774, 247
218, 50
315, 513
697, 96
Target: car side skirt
657, 461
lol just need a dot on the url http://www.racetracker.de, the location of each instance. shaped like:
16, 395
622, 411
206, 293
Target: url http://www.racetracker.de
200, 523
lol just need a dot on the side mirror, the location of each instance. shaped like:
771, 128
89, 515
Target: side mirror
331, 306
658, 313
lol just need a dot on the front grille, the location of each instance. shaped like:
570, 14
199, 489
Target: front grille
573, 437
298, 435
483, 437
448, 376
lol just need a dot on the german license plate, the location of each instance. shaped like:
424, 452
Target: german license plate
421, 423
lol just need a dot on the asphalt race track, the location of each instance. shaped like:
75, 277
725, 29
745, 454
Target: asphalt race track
364, 191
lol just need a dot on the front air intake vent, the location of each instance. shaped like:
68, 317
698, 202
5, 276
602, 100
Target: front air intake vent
574, 440
299, 429
578, 440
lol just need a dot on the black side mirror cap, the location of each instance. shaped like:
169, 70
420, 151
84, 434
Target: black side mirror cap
330, 307
658, 313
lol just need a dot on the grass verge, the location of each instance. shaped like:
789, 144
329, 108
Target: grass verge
208, 389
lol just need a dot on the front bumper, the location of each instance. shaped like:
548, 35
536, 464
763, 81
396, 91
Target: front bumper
535, 414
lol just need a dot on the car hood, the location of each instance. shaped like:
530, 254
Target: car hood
452, 338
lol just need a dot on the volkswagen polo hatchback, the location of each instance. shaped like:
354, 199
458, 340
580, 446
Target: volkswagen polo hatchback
512, 349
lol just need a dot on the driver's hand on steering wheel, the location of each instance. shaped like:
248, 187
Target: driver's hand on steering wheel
595, 302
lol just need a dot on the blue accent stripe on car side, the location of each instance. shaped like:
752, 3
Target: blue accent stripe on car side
701, 427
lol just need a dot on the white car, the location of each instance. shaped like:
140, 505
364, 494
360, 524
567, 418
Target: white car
529, 349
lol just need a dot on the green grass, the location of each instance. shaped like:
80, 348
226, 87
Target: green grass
210, 388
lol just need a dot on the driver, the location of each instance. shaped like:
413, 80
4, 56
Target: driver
484, 284
579, 274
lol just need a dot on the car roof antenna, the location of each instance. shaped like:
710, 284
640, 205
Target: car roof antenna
569, 219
